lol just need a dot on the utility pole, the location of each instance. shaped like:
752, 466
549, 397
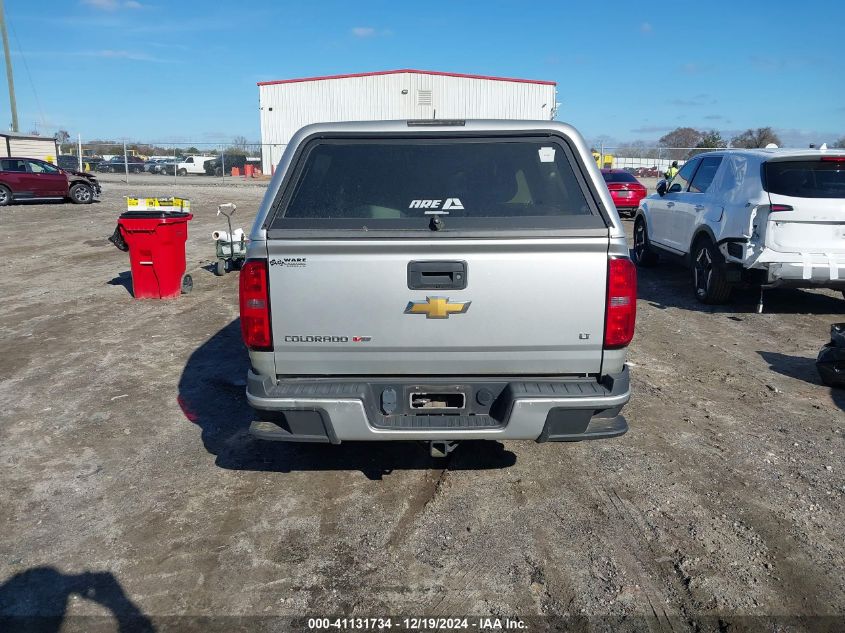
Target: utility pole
9, 77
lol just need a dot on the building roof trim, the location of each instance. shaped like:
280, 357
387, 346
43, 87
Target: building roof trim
33, 137
411, 71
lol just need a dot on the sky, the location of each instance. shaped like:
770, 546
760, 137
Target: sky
185, 71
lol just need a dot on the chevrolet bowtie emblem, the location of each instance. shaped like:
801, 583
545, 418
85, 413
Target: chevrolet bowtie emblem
437, 307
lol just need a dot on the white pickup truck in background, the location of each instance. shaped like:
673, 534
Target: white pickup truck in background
193, 165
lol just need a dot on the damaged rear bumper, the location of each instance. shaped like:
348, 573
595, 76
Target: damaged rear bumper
335, 411
801, 270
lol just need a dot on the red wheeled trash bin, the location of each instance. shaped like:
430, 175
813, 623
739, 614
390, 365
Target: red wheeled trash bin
156, 241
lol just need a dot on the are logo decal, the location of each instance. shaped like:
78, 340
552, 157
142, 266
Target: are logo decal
449, 203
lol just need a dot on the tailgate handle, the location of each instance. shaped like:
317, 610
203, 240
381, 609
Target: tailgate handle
437, 275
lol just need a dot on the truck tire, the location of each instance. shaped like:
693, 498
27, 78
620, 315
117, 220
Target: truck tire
112, 170
709, 273
183, 172
643, 255
81, 194
218, 171
5, 196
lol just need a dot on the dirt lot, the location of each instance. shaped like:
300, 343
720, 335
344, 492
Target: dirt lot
131, 489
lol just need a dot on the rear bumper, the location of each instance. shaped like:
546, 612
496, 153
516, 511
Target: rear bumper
335, 411
631, 202
802, 269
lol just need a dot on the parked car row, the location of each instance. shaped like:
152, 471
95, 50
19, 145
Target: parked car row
71, 162
181, 166
121, 164
757, 218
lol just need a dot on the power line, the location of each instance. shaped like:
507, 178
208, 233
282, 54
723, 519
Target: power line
29, 76
9, 76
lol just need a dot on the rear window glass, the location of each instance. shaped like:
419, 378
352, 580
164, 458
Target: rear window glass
806, 178
467, 182
12, 164
618, 176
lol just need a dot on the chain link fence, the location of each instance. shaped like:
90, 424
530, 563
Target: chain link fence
644, 161
256, 161
198, 160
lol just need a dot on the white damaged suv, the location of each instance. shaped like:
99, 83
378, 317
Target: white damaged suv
761, 217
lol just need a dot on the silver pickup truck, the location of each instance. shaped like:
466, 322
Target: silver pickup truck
437, 281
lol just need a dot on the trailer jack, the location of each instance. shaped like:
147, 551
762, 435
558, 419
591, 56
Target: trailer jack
442, 448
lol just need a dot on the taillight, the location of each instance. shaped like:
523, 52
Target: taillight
255, 306
621, 312
780, 207
834, 159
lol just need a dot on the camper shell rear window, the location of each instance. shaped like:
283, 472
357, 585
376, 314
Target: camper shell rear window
401, 184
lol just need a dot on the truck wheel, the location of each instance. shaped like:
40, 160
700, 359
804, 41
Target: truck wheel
643, 255
218, 171
709, 274
5, 196
183, 172
112, 170
81, 194
220, 268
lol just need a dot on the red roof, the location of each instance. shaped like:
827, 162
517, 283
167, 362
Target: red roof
408, 70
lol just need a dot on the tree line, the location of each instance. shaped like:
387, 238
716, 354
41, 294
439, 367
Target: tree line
696, 141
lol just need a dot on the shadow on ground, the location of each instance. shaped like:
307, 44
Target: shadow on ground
123, 279
801, 368
211, 394
37, 600
669, 285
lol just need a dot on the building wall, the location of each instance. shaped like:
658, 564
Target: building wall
43, 148
286, 107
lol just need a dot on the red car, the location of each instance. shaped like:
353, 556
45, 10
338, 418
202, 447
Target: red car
34, 179
625, 190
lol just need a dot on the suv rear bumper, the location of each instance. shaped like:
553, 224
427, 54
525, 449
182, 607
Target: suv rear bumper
335, 411
802, 270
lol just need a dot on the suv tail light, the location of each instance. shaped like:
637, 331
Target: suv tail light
621, 312
780, 207
255, 306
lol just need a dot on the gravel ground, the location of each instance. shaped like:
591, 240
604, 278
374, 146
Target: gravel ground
130, 488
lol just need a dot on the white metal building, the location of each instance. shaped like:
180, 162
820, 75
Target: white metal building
289, 104
28, 146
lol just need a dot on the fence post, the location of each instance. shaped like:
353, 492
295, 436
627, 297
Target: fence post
223, 164
79, 150
126, 162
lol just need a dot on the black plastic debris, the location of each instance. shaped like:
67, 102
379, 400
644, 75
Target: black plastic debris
831, 361
117, 239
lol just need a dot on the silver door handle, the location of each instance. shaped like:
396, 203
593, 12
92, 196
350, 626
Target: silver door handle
699, 207
670, 204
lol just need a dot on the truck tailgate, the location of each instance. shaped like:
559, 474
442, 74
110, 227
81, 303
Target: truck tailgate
530, 306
